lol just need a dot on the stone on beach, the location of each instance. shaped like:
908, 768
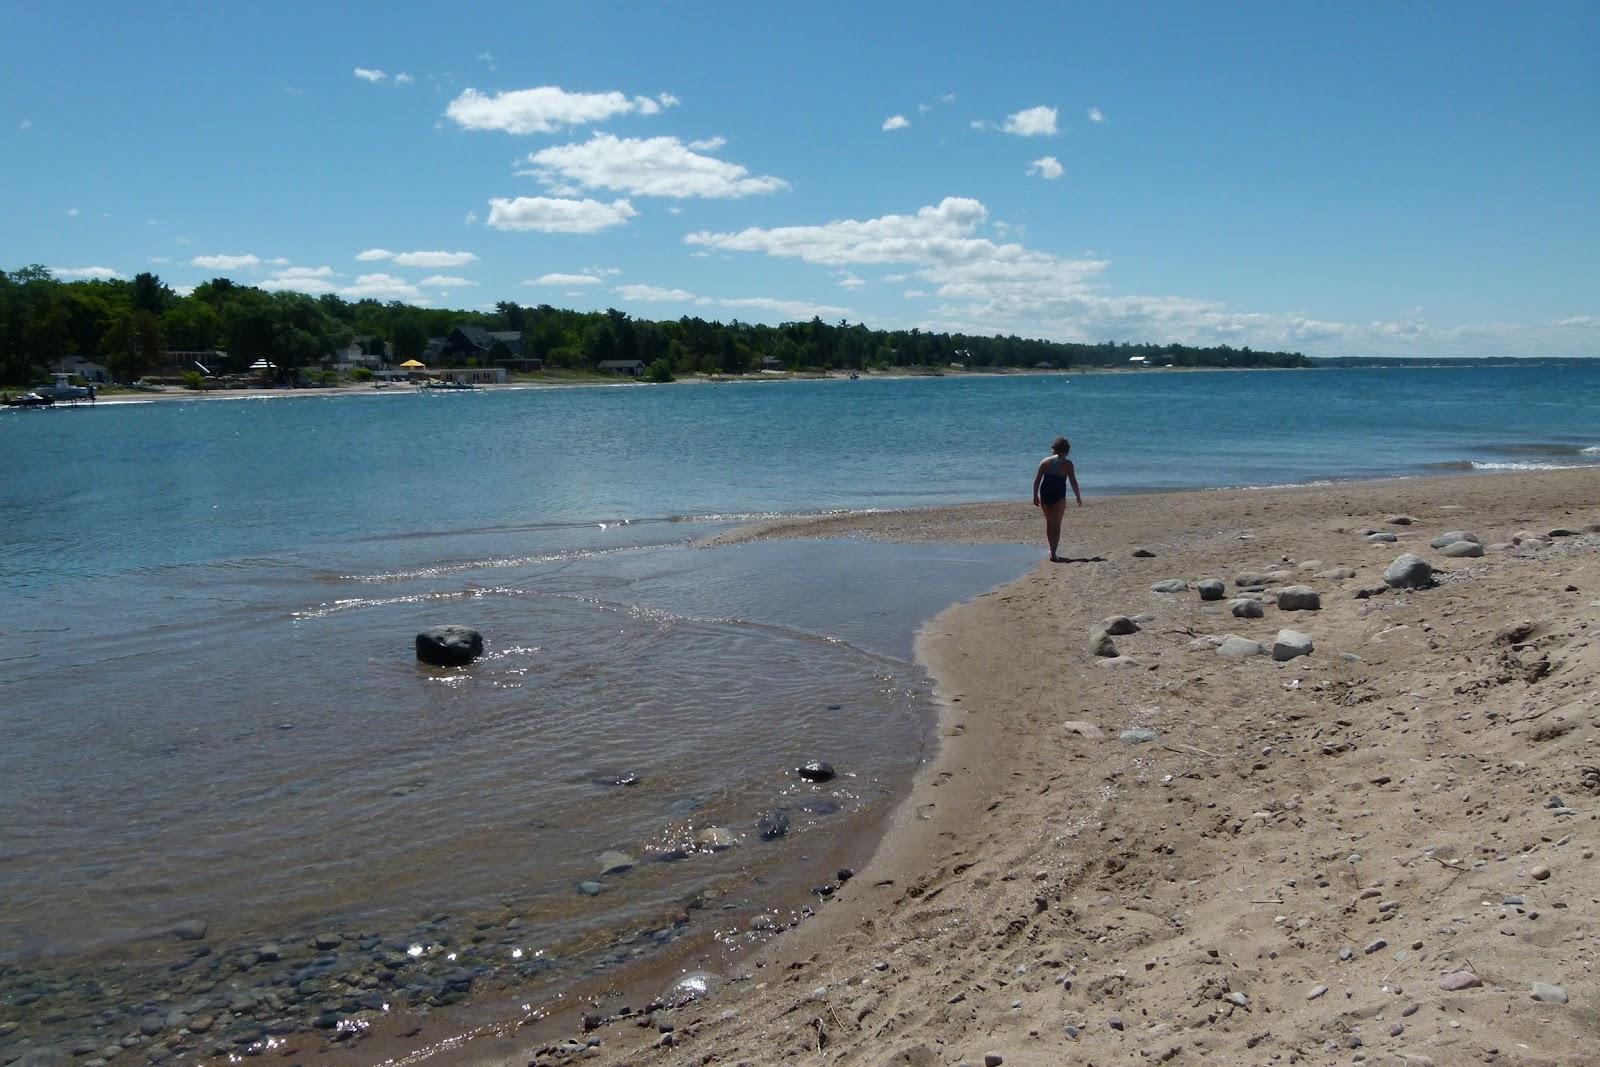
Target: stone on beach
1462, 549
1545, 993
614, 862
1399, 520
1143, 553
1115, 662
1456, 981
773, 824
1409, 572
1086, 730
1251, 580
449, 646
1211, 589
1381, 536
1452, 537
1119, 625
1137, 736
1245, 608
1170, 585
1336, 574
1240, 647
1290, 644
1299, 598
1100, 644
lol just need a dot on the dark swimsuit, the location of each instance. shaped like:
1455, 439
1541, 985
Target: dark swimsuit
1053, 489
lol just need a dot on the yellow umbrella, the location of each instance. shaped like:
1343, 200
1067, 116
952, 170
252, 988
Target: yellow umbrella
415, 364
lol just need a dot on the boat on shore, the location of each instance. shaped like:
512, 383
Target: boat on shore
29, 400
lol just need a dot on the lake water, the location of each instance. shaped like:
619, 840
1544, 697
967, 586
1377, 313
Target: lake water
212, 710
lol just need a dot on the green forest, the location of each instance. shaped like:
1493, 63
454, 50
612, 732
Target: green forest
130, 325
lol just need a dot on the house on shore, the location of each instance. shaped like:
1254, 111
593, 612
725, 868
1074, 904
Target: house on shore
630, 367
474, 343
81, 367
469, 375
773, 365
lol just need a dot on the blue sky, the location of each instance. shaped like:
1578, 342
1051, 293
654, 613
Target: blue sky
1398, 179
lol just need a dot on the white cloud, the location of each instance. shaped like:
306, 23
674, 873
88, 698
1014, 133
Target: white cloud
651, 292
279, 261
446, 281
796, 309
850, 281
403, 78
159, 259
1046, 167
564, 279
948, 98
382, 287
1096, 115
183, 290
933, 235
1033, 122
96, 273
310, 280
655, 166
896, 122
543, 214
434, 259
546, 109
72, 212
225, 262
471, 219
913, 294
367, 74
372, 254
708, 144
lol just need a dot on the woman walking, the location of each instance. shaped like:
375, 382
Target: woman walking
1050, 483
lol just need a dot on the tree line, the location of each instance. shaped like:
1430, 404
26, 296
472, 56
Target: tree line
130, 325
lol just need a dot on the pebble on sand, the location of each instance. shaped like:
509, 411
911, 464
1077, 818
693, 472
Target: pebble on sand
1462, 550
1245, 608
1452, 537
1399, 520
1239, 647
1086, 730
1143, 553
1381, 537
1100, 644
1211, 589
1137, 736
1409, 572
1545, 993
1291, 644
1170, 585
1456, 981
1119, 625
1316, 991
1299, 598
1539, 873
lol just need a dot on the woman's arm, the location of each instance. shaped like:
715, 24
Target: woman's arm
1072, 478
1038, 476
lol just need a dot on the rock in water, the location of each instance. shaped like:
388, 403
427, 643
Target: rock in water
1408, 572
591, 889
1462, 549
1290, 644
1245, 608
816, 771
1100, 644
1452, 537
1171, 585
1211, 589
1239, 647
773, 825
189, 930
449, 646
715, 838
1119, 625
1299, 598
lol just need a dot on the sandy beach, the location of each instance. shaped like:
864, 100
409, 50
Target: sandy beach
1382, 851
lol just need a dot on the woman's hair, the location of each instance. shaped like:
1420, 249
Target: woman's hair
1061, 446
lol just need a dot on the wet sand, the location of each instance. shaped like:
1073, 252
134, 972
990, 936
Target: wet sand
1374, 851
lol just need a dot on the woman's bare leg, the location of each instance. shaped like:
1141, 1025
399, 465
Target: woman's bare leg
1052, 524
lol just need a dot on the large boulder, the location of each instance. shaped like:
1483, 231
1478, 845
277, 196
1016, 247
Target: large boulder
1452, 537
1462, 550
1245, 608
1119, 625
449, 646
1299, 598
816, 771
1211, 589
1290, 644
1408, 572
1251, 580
